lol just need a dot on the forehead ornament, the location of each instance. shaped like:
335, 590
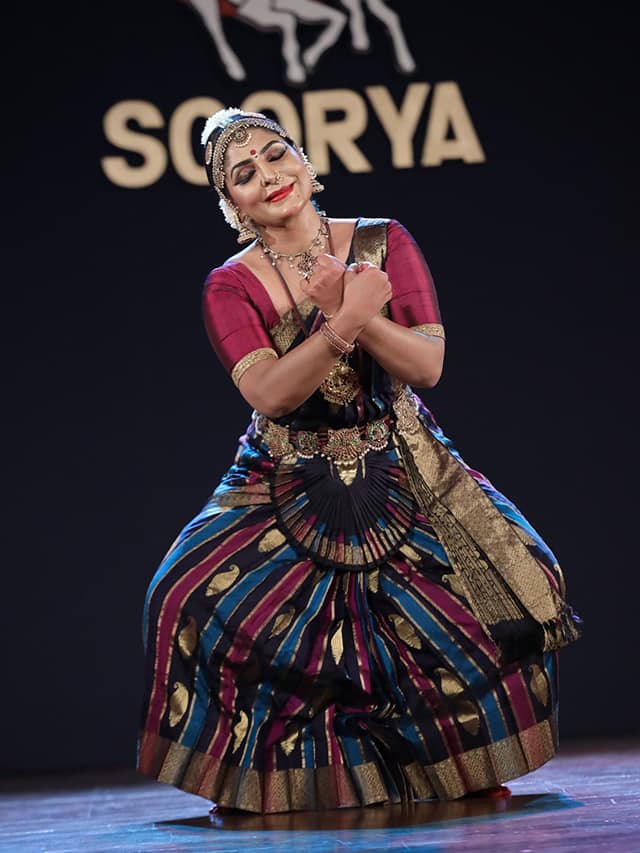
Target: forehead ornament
241, 136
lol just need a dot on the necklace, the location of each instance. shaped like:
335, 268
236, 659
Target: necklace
342, 384
305, 260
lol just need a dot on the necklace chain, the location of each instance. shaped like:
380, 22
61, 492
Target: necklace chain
304, 260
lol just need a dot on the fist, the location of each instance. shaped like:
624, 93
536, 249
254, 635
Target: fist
367, 290
325, 286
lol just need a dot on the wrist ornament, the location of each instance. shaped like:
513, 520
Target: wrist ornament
331, 316
336, 341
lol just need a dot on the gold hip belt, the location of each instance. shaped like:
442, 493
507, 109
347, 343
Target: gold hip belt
339, 445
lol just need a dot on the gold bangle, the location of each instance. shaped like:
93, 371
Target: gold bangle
336, 341
332, 342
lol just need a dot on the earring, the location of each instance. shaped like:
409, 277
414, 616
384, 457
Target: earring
234, 218
246, 233
316, 186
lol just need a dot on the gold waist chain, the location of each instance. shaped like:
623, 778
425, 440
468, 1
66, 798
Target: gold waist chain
340, 445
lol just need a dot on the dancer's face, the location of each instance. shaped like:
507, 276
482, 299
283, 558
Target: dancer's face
266, 178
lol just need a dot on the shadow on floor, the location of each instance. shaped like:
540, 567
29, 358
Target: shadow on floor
383, 816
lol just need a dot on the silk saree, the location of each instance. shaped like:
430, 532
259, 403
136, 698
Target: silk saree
355, 616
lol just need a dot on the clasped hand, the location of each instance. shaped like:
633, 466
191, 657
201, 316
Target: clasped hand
360, 289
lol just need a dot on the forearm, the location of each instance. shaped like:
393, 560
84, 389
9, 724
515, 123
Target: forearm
277, 387
413, 358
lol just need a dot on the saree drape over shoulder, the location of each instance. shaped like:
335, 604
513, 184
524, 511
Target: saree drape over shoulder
356, 615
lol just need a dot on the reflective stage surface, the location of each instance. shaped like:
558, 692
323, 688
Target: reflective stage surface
588, 798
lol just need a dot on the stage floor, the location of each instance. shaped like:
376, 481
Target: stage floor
588, 798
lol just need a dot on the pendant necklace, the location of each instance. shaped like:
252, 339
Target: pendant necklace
305, 260
341, 385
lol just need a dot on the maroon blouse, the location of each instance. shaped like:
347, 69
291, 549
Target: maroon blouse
238, 311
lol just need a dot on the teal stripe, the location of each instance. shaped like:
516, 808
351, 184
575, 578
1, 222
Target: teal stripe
408, 726
350, 745
214, 630
448, 650
424, 542
262, 704
214, 528
387, 661
307, 745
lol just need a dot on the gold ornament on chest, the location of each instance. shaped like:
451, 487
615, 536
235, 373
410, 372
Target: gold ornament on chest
341, 385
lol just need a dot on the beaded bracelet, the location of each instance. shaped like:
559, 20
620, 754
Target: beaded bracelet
337, 342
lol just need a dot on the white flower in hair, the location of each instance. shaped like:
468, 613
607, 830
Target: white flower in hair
229, 213
218, 120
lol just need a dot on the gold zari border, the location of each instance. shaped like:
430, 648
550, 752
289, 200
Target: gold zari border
286, 330
311, 788
247, 361
436, 329
370, 241
469, 526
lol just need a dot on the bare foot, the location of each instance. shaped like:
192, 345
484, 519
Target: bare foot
501, 792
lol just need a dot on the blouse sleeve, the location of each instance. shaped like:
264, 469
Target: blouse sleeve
233, 324
414, 302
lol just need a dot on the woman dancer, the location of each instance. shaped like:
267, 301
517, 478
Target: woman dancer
356, 616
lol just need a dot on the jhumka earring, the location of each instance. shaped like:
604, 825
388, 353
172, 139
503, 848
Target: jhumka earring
316, 186
234, 218
245, 232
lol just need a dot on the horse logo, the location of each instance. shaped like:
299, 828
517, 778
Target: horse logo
285, 16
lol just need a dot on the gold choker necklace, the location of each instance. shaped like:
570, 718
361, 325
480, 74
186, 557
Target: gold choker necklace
305, 260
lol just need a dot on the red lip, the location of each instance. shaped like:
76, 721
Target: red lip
279, 194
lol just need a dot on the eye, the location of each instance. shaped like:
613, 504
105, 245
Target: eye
277, 152
244, 176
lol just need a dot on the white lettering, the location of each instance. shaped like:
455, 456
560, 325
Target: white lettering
321, 135
399, 124
448, 110
117, 132
180, 134
450, 134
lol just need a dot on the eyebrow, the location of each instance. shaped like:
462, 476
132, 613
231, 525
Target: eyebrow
262, 150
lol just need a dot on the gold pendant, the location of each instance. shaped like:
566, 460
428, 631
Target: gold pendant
341, 385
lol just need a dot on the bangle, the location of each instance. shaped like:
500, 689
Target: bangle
337, 342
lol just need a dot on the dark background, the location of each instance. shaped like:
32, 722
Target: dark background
121, 420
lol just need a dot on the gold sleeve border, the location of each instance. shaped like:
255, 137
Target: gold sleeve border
248, 360
430, 329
